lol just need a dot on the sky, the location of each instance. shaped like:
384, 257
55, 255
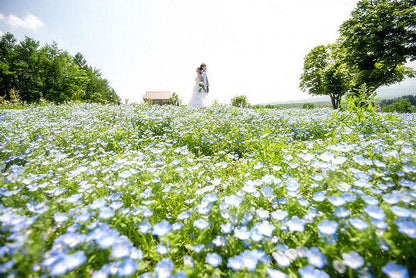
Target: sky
251, 47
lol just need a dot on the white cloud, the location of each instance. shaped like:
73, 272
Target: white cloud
1, 34
28, 22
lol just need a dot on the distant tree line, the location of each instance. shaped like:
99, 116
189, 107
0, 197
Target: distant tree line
34, 72
372, 50
410, 98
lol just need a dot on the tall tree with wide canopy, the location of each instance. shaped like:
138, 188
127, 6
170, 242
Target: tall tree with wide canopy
324, 73
378, 40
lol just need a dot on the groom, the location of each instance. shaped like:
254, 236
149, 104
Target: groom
204, 77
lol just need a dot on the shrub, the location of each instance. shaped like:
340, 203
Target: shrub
240, 101
308, 106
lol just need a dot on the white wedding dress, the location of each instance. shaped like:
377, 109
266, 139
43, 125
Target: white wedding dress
198, 98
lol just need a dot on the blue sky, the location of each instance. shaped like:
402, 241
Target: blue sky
251, 47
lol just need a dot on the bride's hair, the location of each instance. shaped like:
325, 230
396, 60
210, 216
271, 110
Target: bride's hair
198, 70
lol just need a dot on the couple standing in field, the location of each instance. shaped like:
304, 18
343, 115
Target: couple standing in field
201, 88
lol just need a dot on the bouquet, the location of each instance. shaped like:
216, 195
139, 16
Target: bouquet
201, 86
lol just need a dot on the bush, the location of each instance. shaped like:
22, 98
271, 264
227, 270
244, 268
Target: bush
240, 101
174, 100
308, 106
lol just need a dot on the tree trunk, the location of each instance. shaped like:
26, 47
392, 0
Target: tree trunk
335, 99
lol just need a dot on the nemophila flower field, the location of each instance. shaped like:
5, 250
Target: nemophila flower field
154, 191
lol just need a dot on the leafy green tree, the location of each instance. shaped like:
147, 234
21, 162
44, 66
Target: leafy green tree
26, 69
324, 73
240, 101
50, 73
401, 106
378, 40
7, 53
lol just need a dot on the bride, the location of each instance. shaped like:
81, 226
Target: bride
199, 95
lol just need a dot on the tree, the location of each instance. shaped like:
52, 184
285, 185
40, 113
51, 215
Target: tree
49, 72
324, 73
7, 53
401, 106
240, 101
174, 100
378, 40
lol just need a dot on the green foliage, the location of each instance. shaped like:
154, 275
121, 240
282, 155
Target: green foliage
308, 106
240, 101
267, 106
410, 98
401, 106
361, 113
46, 71
14, 95
324, 73
174, 100
378, 40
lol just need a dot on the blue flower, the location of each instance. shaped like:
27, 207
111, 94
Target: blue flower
353, 260
267, 191
226, 228
60, 217
401, 212
162, 248
162, 228
328, 227
67, 263
407, 227
310, 272
127, 267
213, 259
201, 224
164, 268
198, 248
187, 260
281, 258
184, 215
292, 184
315, 257
106, 213
220, 241
341, 212
395, 270
120, 249
336, 201
242, 232
370, 200
145, 227
249, 260
279, 214
319, 196
235, 263
107, 238
177, 226
265, 228
232, 200
83, 217
358, 223
147, 212
274, 273
262, 213
295, 224
391, 198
